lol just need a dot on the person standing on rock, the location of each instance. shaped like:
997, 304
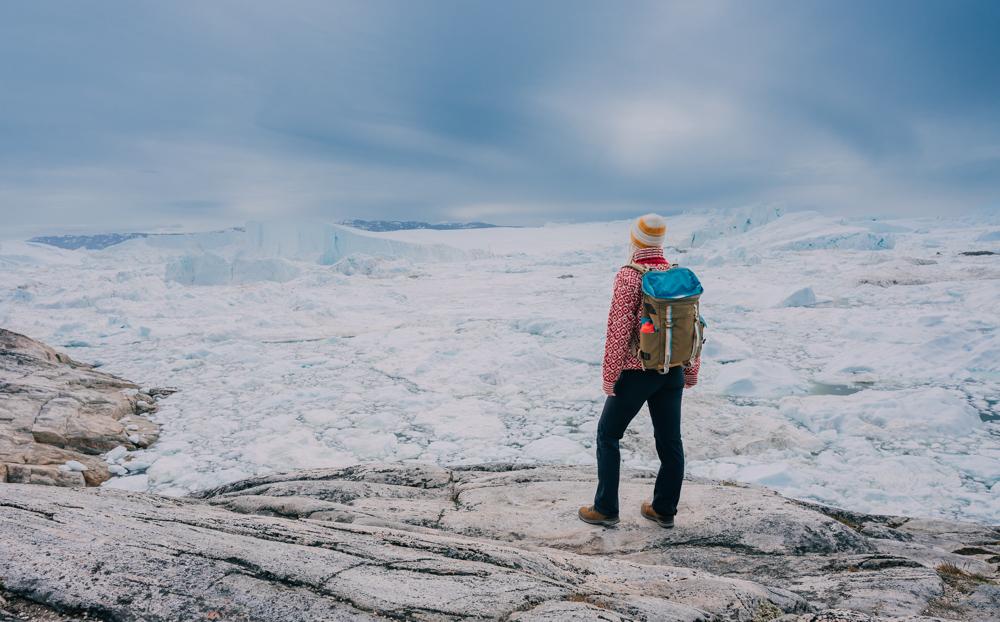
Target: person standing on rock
628, 386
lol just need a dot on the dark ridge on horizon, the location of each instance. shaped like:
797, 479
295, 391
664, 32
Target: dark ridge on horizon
99, 241
401, 225
89, 242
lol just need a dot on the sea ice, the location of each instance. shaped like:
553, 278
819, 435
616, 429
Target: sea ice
757, 378
723, 347
322, 346
861, 241
923, 413
116, 454
804, 297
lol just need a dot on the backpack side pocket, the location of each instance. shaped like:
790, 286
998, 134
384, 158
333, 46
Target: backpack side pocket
653, 335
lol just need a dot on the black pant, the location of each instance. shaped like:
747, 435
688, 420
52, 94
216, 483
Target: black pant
663, 394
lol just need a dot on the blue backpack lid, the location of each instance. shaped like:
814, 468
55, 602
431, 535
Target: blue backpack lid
671, 284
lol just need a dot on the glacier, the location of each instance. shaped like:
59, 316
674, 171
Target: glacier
300, 345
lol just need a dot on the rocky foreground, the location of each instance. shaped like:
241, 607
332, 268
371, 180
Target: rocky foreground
57, 416
422, 542
493, 542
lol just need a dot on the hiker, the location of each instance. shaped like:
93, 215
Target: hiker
628, 385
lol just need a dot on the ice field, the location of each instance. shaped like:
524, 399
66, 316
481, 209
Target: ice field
852, 362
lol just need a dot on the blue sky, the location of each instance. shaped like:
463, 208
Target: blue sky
125, 113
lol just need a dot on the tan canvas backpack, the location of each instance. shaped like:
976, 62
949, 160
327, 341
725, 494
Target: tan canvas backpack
671, 330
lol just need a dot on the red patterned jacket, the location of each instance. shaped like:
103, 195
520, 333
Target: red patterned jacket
623, 321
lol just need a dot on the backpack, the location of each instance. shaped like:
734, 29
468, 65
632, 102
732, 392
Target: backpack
671, 330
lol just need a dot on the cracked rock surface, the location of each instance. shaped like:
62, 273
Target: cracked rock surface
421, 542
126, 556
54, 411
843, 563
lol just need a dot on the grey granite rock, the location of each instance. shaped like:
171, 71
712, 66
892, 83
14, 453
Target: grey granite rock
54, 409
870, 565
422, 542
127, 556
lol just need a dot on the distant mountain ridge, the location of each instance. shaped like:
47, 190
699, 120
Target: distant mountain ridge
400, 225
100, 241
89, 242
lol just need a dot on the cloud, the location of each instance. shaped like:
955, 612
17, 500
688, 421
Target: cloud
120, 113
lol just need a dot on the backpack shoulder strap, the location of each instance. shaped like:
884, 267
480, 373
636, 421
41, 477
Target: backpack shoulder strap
641, 269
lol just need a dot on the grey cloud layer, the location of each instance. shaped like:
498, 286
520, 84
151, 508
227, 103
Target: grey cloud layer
124, 112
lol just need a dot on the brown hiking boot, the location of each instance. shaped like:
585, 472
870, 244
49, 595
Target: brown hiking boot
589, 515
663, 521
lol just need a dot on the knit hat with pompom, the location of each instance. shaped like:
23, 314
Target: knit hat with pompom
648, 231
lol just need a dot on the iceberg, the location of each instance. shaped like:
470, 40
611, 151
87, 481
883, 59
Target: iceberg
393, 352
804, 297
327, 244
210, 269
858, 241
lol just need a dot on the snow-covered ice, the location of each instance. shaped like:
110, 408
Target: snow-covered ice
854, 362
804, 297
73, 465
115, 455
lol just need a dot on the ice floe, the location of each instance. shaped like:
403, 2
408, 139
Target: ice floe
298, 345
